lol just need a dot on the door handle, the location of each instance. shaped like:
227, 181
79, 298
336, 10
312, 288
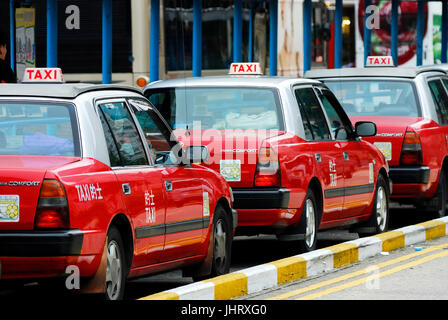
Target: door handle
168, 185
318, 157
126, 188
345, 154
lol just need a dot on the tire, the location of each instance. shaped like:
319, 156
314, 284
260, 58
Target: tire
379, 218
116, 266
440, 198
309, 223
222, 242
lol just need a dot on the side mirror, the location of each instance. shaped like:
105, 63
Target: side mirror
197, 154
365, 128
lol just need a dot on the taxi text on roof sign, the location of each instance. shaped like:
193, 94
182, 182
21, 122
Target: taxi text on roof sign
43, 75
244, 68
380, 61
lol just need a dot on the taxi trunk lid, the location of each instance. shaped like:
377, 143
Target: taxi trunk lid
20, 180
390, 134
233, 153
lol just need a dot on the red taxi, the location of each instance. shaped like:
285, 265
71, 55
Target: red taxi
410, 108
291, 155
92, 179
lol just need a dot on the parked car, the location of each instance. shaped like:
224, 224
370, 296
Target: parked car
294, 161
91, 178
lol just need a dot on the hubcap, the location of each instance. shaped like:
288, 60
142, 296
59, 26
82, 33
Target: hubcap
310, 223
113, 272
381, 208
220, 244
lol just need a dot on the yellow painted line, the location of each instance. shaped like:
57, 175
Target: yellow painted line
434, 229
369, 278
391, 240
229, 286
161, 296
344, 254
345, 277
290, 269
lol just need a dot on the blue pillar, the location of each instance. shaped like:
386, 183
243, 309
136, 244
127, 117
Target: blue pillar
251, 33
197, 38
12, 41
107, 41
394, 32
154, 41
338, 35
420, 25
52, 33
307, 37
367, 33
237, 31
273, 17
444, 30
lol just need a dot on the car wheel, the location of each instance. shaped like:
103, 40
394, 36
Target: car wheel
222, 242
437, 205
309, 223
115, 272
379, 219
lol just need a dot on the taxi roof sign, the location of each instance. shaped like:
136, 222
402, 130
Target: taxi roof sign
43, 75
380, 61
245, 68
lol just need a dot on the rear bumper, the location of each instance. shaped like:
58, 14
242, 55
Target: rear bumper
261, 198
41, 243
409, 175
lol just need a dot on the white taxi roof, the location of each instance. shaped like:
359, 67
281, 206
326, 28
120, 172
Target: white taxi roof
395, 72
229, 81
66, 90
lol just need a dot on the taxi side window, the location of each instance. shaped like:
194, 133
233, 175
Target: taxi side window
340, 128
114, 156
440, 99
159, 146
313, 118
125, 133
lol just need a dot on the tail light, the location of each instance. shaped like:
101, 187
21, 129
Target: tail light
267, 173
52, 208
411, 151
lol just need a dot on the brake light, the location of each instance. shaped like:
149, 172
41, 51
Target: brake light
267, 173
52, 208
411, 151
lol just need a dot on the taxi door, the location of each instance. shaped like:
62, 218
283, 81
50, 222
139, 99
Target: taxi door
358, 170
327, 155
143, 198
185, 226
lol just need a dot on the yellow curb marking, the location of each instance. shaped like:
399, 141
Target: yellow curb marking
391, 240
344, 254
161, 296
290, 269
229, 286
434, 229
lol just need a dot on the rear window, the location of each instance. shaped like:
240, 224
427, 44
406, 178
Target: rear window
376, 97
218, 108
38, 129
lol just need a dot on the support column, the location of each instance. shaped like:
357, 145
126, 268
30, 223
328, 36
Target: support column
52, 33
338, 35
420, 30
107, 41
394, 32
273, 30
237, 31
197, 38
444, 30
154, 41
367, 33
307, 36
251, 33
12, 41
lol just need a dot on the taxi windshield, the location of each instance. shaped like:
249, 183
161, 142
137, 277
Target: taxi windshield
376, 97
38, 129
218, 107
